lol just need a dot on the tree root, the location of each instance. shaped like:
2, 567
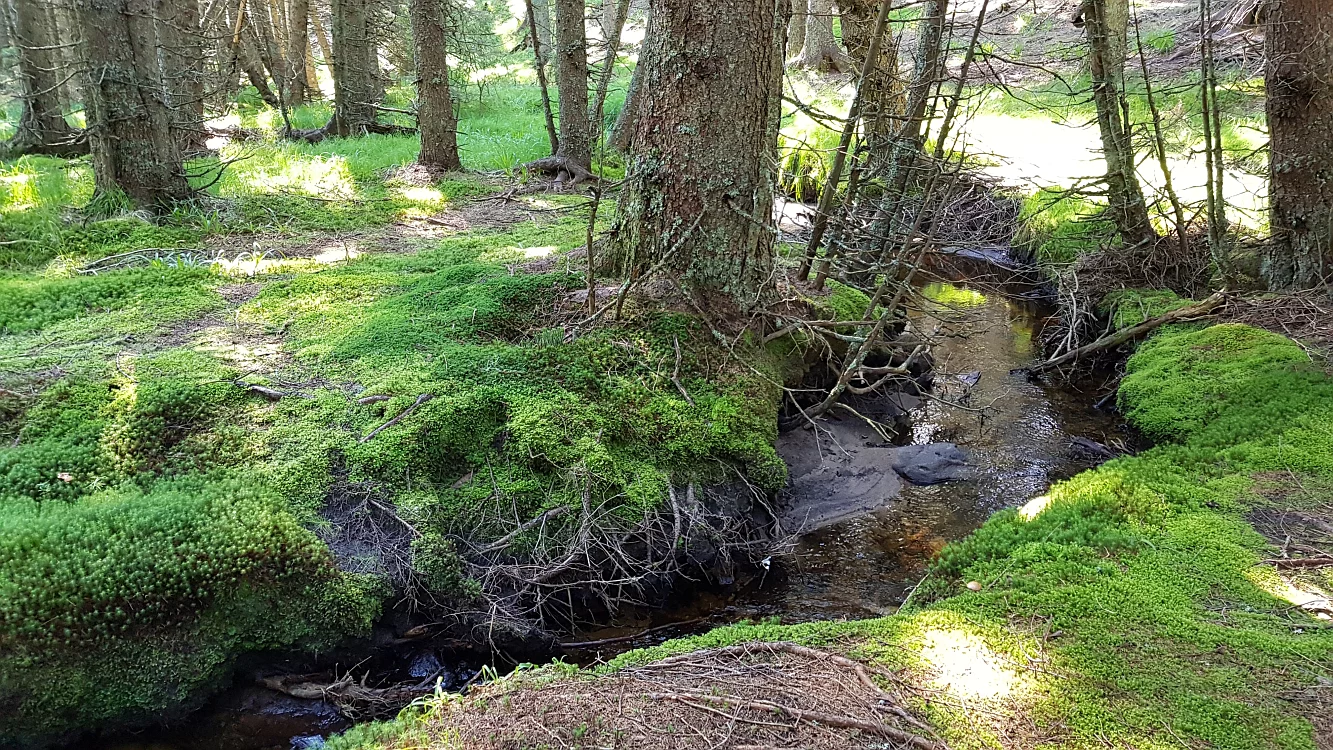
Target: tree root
562, 168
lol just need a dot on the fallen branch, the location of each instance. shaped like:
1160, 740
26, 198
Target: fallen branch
504, 541
1323, 561
554, 165
272, 394
423, 398
675, 374
1110, 341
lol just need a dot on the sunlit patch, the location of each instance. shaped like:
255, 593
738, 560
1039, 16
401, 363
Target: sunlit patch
1299, 593
324, 177
335, 253
422, 194
964, 665
949, 295
539, 252
1033, 508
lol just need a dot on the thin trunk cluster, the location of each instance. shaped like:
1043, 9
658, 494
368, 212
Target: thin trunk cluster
1107, 26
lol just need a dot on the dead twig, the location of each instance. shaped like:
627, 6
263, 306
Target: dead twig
423, 398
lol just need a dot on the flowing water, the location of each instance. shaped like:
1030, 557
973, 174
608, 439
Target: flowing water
1017, 435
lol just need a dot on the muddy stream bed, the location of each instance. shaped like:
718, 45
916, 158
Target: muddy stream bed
875, 532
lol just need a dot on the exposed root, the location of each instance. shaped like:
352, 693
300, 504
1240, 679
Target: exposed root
562, 169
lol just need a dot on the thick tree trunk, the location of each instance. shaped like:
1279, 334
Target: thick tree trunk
571, 80
800, 10
697, 198
355, 69
435, 107
42, 127
298, 50
884, 92
1107, 25
819, 49
1300, 123
129, 121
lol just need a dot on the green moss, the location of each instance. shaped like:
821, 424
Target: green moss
1128, 307
1055, 227
1131, 591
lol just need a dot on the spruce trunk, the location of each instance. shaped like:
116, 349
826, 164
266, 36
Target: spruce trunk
571, 80
129, 120
697, 199
435, 107
354, 70
1300, 122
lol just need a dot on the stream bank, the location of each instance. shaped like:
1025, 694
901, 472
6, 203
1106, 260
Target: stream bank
862, 565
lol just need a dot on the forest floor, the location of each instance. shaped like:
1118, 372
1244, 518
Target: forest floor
183, 398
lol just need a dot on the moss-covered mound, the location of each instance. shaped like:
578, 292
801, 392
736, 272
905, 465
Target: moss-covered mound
1131, 606
159, 517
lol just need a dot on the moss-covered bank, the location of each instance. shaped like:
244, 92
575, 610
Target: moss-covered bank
158, 519
1129, 606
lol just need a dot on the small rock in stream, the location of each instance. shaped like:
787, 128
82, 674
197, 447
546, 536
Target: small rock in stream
932, 463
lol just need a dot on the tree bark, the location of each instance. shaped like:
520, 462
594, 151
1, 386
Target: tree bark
697, 199
42, 127
541, 20
298, 50
1107, 26
800, 10
129, 120
181, 40
1299, 43
885, 91
819, 49
435, 107
571, 81
355, 69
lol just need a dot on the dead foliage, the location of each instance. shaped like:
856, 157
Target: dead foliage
1305, 316
757, 695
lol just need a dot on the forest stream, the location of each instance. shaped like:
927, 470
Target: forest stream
1017, 435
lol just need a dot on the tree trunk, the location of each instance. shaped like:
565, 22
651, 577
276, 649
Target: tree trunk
247, 53
541, 19
571, 81
129, 121
796, 27
298, 50
182, 46
42, 127
354, 70
697, 198
1300, 122
1107, 25
884, 92
819, 49
435, 107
